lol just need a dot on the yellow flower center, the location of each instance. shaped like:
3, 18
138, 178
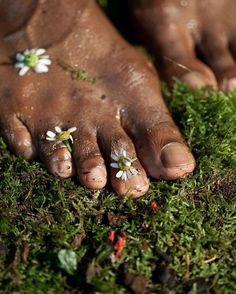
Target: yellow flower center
122, 163
63, 136
31, 60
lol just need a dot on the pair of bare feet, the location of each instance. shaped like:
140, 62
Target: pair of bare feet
124, 109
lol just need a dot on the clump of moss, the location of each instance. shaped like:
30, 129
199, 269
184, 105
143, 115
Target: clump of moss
78, 74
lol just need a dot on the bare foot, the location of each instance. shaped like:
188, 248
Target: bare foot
122, 110
175, 29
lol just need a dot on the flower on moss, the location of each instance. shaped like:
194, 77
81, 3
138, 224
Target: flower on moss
32, 59
124, 164
61, 136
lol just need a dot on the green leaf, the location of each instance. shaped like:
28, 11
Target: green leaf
68, 260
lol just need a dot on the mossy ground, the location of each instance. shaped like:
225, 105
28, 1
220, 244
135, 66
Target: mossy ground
187, 246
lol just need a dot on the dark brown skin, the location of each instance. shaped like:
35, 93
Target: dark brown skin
173, 29
124, 109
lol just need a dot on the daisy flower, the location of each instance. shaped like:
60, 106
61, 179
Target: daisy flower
124, 164
33, 59
61, 136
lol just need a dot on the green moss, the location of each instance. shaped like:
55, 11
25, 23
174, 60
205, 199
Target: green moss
77, 74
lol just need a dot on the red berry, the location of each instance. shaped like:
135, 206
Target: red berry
154, 206
111, 236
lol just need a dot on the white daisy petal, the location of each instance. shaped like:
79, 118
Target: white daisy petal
71, 138
114, 156
19, 65
45, 61
124, 176
51, 134
44, 57
129, 174
23, 71
58, 129
50, 139
119, 174
133, 171
114, 165
40, 68
123, 152
40, 51
20, 57
71, 130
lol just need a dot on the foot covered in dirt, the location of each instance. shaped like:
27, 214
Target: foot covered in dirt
89, 104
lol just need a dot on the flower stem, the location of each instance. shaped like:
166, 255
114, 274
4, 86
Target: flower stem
68, 145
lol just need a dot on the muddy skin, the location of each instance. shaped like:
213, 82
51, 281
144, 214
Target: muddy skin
176, 29
123, 109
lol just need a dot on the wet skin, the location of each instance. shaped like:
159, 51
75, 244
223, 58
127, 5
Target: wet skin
123, 109
176, 29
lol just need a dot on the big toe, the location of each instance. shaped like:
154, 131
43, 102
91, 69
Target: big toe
163, 152
176, 160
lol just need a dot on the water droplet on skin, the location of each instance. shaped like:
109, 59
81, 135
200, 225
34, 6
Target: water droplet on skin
191, 24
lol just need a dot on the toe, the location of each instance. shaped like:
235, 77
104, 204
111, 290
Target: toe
135, 187
54, 155
176, 160
199, 76
215, 49
89, 162
161, 149
18, 137
181, 62
112, 141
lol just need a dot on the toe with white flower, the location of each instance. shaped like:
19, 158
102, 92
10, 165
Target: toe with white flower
61, 136
34, 59
124, 164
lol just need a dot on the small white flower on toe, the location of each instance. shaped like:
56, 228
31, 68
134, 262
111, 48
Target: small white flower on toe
32, 59
61, 136
124, 164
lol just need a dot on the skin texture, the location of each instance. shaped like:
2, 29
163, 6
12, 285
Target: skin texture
123, 109
179, 31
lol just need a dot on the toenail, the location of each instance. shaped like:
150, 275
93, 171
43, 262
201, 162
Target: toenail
97, 174
62, 168
176, 155
29, 153
195, 80
139, 184
94, 178
229, 85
